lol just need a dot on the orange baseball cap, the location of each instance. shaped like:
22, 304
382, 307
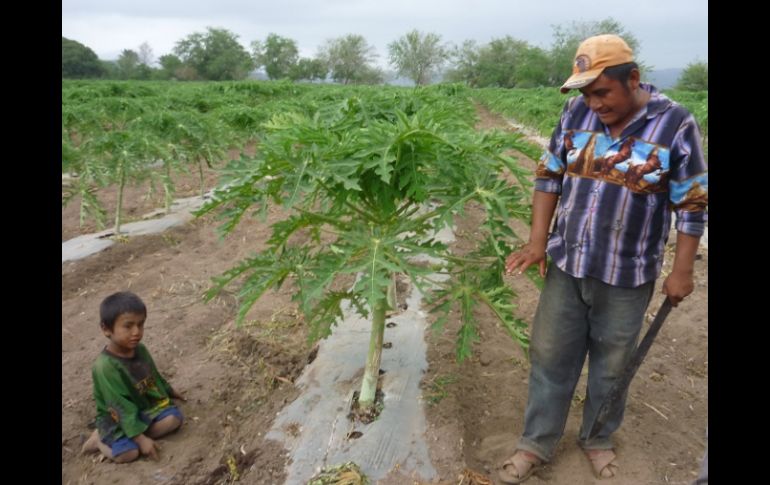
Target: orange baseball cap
593, 56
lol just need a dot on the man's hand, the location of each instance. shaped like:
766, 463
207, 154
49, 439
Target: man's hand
531, 253
678, 285
147, 446
543, 206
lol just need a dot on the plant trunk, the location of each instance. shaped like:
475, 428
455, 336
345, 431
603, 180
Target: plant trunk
392, 295
167, 188
83, 203
372, 370
200, 172
121, 185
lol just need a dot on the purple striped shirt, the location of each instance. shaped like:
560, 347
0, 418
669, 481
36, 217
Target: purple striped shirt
614, 213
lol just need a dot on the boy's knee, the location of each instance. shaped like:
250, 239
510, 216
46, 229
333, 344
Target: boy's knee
171, 422
164, 426
174, 423
126, 457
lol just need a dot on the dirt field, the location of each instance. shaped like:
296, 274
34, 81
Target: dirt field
235, 379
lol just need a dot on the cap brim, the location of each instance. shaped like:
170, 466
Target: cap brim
579, 80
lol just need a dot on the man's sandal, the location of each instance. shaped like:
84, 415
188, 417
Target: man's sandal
602, 462
510, 472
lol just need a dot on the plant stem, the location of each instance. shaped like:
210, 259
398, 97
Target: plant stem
372, 370
120, 197
200, 172
167, 188
392, 296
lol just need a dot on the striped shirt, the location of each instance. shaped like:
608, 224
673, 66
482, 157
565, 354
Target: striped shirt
614, 212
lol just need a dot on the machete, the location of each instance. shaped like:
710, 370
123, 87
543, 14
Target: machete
618, 389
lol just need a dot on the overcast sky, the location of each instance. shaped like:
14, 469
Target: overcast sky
672, 33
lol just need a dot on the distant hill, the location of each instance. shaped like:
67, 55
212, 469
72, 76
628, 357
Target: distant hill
663, 78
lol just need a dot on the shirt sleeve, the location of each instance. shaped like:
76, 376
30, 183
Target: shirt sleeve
688, 183
113, 390
550, 170
165, 386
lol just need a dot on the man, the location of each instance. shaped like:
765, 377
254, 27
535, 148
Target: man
607, 244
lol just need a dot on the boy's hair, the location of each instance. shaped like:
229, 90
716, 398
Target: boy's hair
621, 72
117, 304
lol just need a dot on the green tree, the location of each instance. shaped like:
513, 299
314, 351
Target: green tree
505, 62
418, 56
567, 38
695, 77
464, 60
370, 75
498, 62
215, 55
128, 64
109, 69
146, 57
78, 61
277, 54
350, 60
532, 68
169, 65
310, 69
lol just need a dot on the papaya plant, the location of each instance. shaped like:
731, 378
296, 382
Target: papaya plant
80, 123
127, 155
106, 141
371, 180
202, 140
83, 181
164, 124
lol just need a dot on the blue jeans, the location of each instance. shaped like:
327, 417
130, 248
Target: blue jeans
126, 444
577, 317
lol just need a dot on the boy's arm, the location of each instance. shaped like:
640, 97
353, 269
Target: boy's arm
173, 393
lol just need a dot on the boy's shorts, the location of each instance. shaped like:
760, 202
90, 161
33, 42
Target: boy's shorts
126, 444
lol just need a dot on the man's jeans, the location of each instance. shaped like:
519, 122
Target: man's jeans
575, 317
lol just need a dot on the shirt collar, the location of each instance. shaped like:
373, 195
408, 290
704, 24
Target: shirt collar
657, 104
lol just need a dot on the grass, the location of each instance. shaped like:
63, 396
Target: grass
437, 388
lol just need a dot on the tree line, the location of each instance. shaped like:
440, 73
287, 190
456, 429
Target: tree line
217, 55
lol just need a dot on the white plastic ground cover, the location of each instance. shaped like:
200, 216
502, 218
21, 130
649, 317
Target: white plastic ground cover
315, 428
88, 244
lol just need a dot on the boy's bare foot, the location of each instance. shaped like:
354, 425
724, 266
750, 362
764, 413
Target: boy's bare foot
90, 446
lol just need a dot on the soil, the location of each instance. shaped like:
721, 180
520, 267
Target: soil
236, 379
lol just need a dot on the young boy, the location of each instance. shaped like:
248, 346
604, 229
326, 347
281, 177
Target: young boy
133, 401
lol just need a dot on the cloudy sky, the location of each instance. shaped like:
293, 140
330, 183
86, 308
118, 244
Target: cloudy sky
672, 33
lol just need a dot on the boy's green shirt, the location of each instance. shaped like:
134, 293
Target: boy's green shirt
129, 394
